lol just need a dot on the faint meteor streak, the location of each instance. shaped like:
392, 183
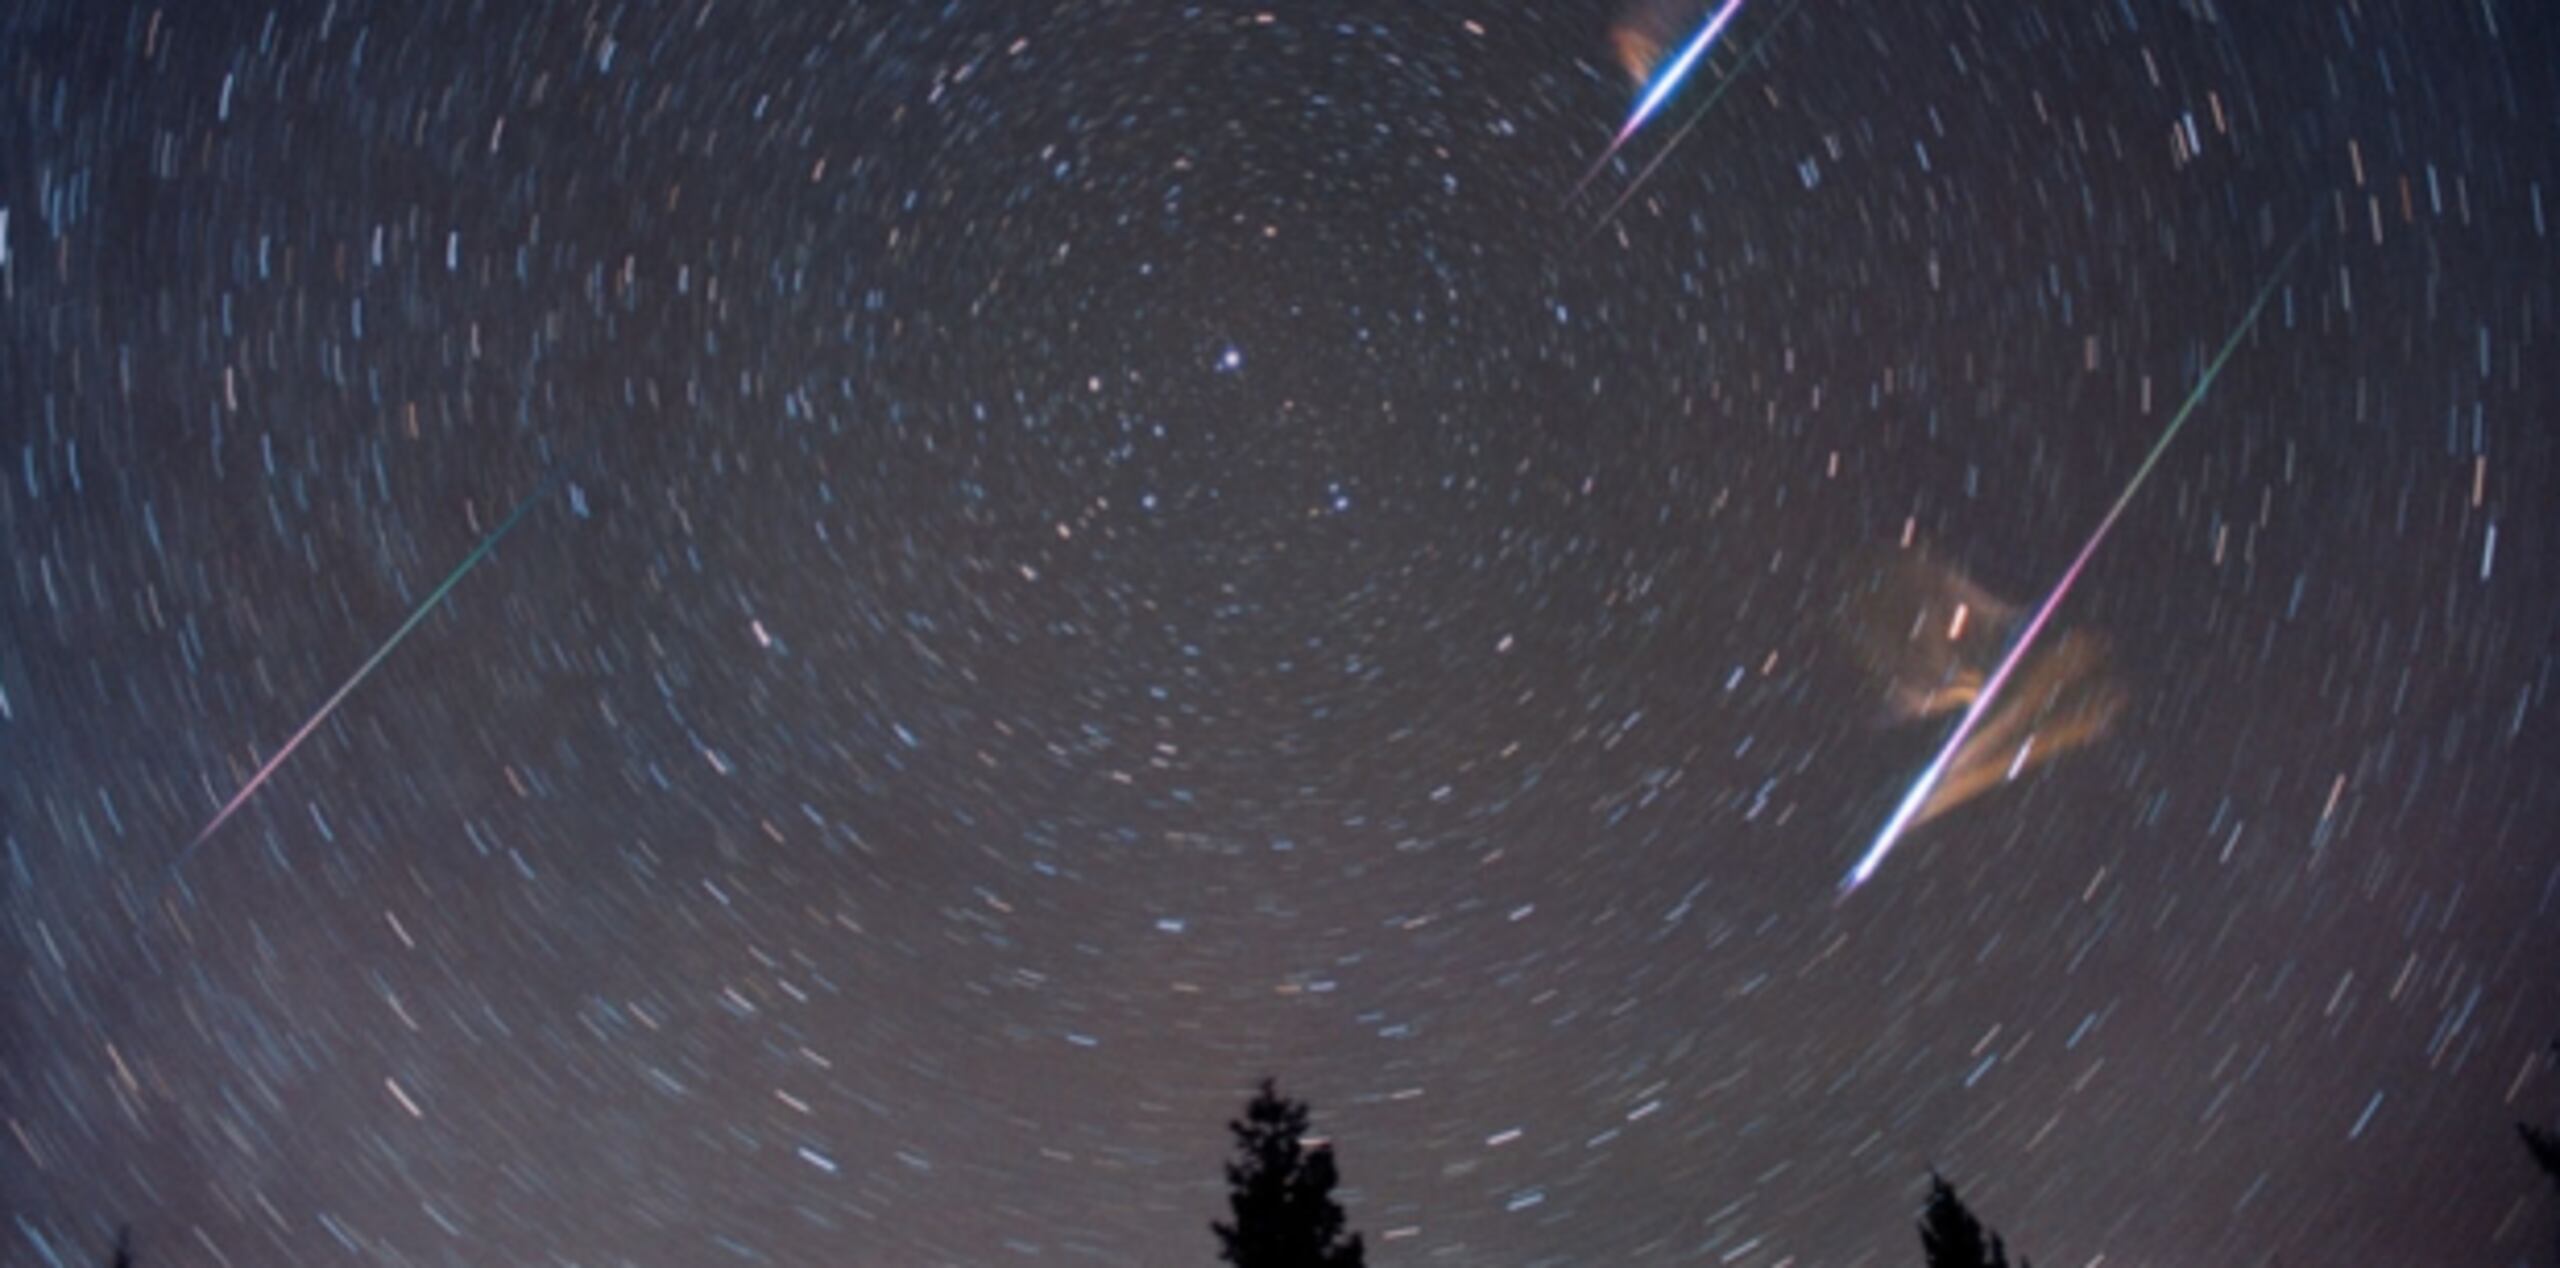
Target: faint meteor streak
330, 705
1936, 770
1664, 85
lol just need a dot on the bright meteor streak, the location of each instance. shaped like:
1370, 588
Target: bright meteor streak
330, 705
1646, 176
1664, 85
1936, 770
1669, 79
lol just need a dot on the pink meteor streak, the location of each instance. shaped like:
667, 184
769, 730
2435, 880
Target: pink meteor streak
329, 706
1936, 770
1663, 86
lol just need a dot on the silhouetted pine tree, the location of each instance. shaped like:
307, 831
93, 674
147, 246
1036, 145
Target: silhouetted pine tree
2545, 1148
124, 1248
1953, 1238
1281, 1193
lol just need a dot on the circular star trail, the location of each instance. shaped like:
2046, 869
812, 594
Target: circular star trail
986, 575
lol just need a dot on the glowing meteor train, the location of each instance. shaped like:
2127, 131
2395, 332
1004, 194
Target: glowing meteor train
330, 705
1912, 801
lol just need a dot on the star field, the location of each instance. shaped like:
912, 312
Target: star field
1075, 556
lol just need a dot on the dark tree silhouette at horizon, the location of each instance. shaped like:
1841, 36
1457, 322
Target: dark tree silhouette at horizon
2545, 1148
1953, 1238
2544, 1145
1281, 1193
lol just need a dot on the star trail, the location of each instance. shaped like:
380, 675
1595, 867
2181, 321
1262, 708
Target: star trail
1118, 549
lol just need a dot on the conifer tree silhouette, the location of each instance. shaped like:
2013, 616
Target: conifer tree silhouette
1281, 1193
2545, 1148
123, 1254
1953, 1238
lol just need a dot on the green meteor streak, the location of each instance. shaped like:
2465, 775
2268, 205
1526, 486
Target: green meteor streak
330, 705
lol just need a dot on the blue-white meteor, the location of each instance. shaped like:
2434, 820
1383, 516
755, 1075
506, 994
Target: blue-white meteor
1645, 177
1664, 84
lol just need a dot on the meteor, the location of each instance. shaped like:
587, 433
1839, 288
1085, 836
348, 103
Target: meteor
330, 705
1664, 84
1936, 770
1704, 109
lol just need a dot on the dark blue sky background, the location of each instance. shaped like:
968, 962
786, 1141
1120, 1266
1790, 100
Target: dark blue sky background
1096, 552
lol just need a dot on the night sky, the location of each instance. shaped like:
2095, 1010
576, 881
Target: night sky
1074, 556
